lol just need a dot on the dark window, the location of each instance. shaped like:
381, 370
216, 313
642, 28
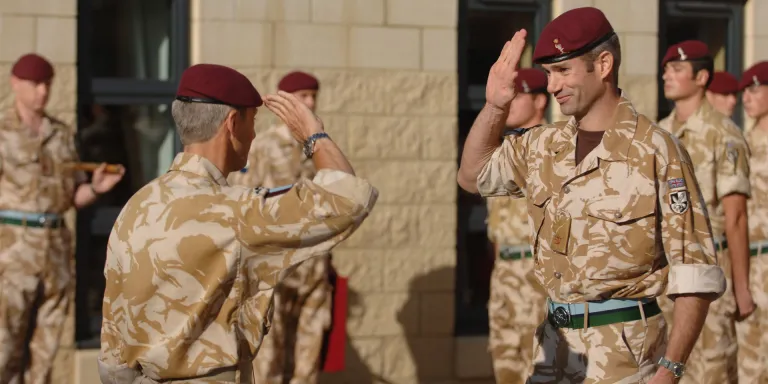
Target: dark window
130, 56
484, 27
717, 23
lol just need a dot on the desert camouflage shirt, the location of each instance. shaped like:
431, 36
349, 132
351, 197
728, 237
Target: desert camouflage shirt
624, 223
275, 159
720, 157
758, 204
192, 262
32, 175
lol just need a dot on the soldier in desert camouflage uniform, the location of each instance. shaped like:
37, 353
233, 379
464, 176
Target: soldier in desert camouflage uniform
36, 253
721, 162
722, 92
514, 308
192, 262
292, 349
614, 209
753, 332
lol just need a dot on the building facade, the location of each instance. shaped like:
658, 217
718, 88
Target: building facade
401, 82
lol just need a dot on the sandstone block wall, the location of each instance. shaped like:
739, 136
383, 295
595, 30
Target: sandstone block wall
388, 97
46, 27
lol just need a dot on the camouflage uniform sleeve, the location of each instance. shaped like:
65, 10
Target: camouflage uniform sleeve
685, 229
492, 219
505, 172
305, 219
733, 167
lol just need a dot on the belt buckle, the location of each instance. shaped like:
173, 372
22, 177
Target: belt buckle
561, 317
505, 254
42, 220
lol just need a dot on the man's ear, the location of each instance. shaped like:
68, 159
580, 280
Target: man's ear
605, 64
540, 102
702, 77
231, 120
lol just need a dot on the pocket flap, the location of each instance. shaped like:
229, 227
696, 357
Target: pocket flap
619, 209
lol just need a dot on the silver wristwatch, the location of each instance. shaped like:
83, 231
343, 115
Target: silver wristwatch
309, 145
677, 369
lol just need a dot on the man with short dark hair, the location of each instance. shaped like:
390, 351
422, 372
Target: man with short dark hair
192, 262
615, 213
721, 161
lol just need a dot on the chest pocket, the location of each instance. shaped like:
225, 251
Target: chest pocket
621, 234
537, 208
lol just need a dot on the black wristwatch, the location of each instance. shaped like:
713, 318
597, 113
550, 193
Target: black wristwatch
309, 145
677, 369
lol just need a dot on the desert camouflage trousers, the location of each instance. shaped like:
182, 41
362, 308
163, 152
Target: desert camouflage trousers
714, 356
624, 353
36, 284
291, 351
753, 332
516, 306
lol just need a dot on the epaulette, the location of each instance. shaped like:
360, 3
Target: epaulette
277, 191
519, 131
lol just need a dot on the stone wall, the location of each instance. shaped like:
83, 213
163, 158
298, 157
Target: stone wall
388, 97
47, 27
637, 24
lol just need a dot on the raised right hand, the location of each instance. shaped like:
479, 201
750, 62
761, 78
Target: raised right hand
500, 88
297, 117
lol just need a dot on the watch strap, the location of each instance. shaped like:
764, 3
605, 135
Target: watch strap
309, 145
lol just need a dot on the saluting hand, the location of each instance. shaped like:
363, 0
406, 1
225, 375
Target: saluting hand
297, 116
500, 88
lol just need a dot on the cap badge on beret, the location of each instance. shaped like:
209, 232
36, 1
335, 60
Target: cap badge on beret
559, 46
755, 80
682, 54
526, 89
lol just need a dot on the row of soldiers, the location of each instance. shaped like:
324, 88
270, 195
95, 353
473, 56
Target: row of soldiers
731, 175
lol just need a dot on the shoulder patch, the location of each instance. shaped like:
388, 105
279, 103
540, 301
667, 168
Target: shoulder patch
676, 183
277, 191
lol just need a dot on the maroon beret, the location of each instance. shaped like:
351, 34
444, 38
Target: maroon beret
33, 67
724, 83
217, 84
572, 34
755, 75
686, 50
298, 81
530, 80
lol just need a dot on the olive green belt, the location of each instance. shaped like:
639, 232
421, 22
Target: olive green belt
561, 316
31, 219
755, 248
515, 252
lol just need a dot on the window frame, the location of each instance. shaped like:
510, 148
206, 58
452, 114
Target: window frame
119, 91
731, 10
473, 321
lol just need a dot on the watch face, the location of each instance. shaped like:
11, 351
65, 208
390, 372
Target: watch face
678, 369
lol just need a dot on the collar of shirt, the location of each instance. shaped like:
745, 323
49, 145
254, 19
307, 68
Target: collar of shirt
11, 120
696, 121
198, 165
617, 139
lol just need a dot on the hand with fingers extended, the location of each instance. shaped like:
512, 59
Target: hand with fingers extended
301, 121
500, 88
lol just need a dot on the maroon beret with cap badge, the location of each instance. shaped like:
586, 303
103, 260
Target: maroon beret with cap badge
724, 83
755, 75
217, 84
686, 51
298, 81
572, 34
33, 67
531, 80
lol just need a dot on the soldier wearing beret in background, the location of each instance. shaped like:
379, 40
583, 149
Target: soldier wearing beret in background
722, 92
514, 308
36, 250
291, 351
721, 162
614, 222
192, 262
753, 332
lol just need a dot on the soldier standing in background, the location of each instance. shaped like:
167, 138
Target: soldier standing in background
36, 250
514, 308
721, 161
292, 349
722, 92
614, 207
192, 262
753, 332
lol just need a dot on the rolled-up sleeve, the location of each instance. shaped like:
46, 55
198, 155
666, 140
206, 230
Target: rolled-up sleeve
685, 230
305, 219
505, 172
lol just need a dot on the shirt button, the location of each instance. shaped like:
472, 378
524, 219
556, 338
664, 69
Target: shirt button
617, 215
566, 189
558, 275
